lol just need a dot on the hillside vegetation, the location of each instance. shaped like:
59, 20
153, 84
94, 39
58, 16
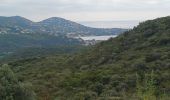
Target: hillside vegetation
18, 33
31, 45
51, 26
133, 66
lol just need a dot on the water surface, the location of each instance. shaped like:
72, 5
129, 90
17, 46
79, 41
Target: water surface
102, 38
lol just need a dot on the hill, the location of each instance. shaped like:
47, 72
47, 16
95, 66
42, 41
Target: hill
18, 33
35, 44
133, 66
53, 26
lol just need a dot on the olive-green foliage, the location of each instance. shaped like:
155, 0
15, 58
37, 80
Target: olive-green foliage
11, 88
108, 70
31, 52
146, 88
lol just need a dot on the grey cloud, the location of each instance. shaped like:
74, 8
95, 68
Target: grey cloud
42, 7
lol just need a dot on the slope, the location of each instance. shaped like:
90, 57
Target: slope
18, 33
107, 71
11, 43
52, 26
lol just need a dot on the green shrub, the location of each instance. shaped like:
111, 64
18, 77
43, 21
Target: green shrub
11, 88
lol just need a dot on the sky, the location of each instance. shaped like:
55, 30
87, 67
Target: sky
86, 10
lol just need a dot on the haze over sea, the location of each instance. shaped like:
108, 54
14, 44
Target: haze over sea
128, 24
111, 24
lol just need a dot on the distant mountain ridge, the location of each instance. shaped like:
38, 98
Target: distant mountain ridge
18, 33
53, 25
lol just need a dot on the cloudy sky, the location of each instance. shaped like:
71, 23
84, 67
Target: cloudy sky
86, 10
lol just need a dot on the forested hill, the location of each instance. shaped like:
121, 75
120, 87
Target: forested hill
133, 66
18, 33
35, 44
150, 37
53, 26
